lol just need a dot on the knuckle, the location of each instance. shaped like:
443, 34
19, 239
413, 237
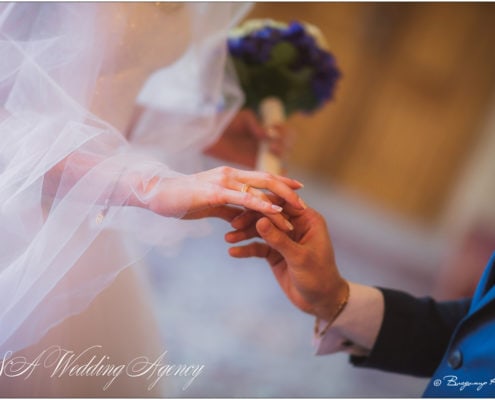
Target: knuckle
225, 171
267, 176
224, 175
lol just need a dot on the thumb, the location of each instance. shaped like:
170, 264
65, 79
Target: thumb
276, 238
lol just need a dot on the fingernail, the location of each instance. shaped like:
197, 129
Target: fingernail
289, 225
302, 203
299, 183
276, 208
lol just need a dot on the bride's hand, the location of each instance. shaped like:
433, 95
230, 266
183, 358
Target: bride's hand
206, 194
245, 132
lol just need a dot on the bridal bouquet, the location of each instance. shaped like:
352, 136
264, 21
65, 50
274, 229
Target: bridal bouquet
282, 69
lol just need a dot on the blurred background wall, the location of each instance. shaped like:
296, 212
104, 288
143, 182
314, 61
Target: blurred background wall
409, 130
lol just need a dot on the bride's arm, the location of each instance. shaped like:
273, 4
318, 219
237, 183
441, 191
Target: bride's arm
170, 194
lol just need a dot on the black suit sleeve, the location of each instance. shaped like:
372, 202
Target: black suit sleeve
414, 334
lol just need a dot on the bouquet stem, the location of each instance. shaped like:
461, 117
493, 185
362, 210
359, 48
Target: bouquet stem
271, 112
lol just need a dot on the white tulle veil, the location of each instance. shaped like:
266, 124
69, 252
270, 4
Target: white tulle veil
71, 156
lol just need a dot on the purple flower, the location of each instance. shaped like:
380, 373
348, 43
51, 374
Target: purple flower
294, 31
302, 74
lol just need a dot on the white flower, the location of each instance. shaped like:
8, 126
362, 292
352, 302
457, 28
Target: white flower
256, 24
252, 25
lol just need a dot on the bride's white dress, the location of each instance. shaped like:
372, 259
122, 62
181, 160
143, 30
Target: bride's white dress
70, 284
117, 327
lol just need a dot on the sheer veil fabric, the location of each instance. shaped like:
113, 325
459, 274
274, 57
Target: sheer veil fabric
74, 151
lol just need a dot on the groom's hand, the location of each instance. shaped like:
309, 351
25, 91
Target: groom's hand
302, 260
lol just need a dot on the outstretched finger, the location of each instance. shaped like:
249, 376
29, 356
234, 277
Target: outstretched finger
244, 199
256, 249
281, 186
241, 235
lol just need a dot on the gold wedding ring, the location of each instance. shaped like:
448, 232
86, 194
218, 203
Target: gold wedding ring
245, 187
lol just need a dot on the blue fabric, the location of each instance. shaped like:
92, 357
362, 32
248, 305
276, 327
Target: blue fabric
453, 342
474, 340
